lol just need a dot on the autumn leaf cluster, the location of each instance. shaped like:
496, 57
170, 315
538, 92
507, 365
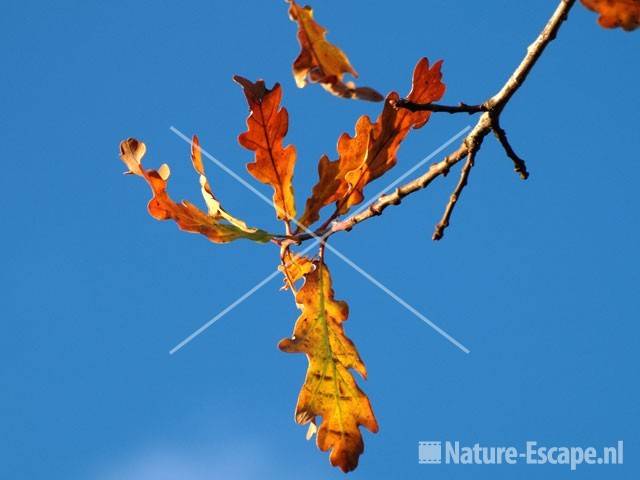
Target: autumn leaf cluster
330, 400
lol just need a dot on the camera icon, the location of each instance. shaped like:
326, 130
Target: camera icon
430, 452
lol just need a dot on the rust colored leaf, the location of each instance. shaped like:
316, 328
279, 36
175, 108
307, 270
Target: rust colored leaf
218, 226
322, 62
324, 192
267, 126
332, 185
616, 13
329, 390
391, 128
372, 150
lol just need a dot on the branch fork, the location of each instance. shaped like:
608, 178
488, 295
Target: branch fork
489, 121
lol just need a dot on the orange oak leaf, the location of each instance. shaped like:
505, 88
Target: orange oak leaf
391, 128
322, 62
333, 186
616, 13
372, 150
330, 390
294, 267
218, 226
267, 126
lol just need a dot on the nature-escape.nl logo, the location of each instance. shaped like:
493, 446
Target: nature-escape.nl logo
452, 453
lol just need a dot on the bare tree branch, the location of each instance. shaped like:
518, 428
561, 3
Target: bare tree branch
482, 128
488, 121
519, 165
464, 176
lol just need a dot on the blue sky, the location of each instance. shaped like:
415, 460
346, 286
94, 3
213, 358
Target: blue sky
539, 278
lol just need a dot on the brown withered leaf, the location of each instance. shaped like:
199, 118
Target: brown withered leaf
616, 13
322, 62
267, 126
186, 215
372, 150
330, 390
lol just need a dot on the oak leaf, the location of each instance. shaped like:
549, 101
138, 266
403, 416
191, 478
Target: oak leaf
322, 62
218, 226
332, 185
616, 13
372, 150
213, 205
267, 126
294, 267
330, 390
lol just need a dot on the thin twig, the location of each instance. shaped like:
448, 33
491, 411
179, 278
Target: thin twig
496, 104
321, 250
464, 177
520, 166
434, 107
535, 50
436, 170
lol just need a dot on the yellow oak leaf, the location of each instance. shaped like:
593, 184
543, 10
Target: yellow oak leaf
186, 215
267, 126
294, 267
322, 62
330, 390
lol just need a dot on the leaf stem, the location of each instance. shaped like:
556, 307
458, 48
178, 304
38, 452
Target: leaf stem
284, 249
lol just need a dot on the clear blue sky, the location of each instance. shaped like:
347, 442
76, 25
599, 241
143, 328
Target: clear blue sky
539, 278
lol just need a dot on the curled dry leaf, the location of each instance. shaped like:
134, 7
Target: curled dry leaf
322, 62
218, 226
372, 150
213, 205
267, 126
329, 390
616, 13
